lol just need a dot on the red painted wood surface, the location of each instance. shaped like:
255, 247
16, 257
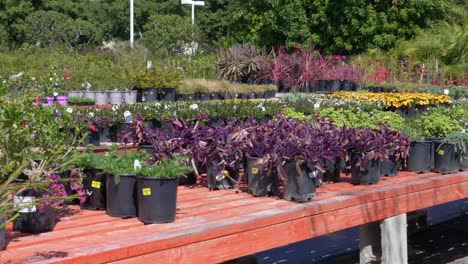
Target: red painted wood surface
215, 226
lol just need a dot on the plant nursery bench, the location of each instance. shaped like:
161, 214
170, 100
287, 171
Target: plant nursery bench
216, 226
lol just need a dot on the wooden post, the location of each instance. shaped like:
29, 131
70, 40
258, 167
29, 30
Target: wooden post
384, 241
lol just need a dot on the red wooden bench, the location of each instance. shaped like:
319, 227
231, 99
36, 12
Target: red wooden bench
220, 225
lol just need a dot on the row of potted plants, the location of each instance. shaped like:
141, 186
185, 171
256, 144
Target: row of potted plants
292, 150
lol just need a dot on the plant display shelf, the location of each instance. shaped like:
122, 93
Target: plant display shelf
215, 226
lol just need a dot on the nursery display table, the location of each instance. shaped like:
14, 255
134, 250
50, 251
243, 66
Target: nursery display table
220, 225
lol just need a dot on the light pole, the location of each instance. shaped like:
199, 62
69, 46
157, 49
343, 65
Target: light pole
131, 23
193, 3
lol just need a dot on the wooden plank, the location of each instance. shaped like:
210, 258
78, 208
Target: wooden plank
248, 242
147, 239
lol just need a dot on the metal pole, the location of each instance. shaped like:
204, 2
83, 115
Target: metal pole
131, 23
193, 14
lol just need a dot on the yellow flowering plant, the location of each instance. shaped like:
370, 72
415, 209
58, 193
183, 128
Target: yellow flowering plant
395, 100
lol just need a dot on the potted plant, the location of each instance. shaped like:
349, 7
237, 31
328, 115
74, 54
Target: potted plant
367, 149
397, 148
420, 155
147, 83
26, 132
169, 81
300, 159
80, 101
223, 148
121, 182
448, 154
157, 189
260, 146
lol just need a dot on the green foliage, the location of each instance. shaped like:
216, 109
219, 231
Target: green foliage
434, 123
459, 140
162, 37
168, 168
158, 77
412, 132
118, 165
392, 119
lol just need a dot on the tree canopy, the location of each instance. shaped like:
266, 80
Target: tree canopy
333, 26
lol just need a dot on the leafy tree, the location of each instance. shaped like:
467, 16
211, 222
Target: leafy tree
162, 37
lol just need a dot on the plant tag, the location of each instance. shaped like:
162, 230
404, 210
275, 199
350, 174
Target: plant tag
136, 165
313, 174
128, 117
149, 64
254, 170
220, 176
146, 191
446, 91
26, 203
96, 184
441, 152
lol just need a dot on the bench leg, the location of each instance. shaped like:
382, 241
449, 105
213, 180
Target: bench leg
384, 241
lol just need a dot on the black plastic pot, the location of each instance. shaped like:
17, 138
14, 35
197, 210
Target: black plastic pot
216, 179
167, 94
118, 130
157, 199
104, 135
464, 162
139, 97
148, 148
422, 108
407, 111
216, 121
299, 187
215, 96
2, 234
93, 138
150, 94
446, 159
259, 181
121, 197
270, 94
94, 184
185, 97
153, 123
322, 85
281, 86
334, 85
389, 167
306, 87
370, 175
332, 170
420, 156
189, 180
435, 142
259, 95
204, 96
228, 96
35, 221
347, 85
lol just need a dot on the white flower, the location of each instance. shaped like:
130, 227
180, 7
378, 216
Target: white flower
234, 107
55, 94
115, 108
145, 107
50, 79
69, 110
91, 114
157, 105
167, 106
263, 109
33, 79
193, 106
317, 105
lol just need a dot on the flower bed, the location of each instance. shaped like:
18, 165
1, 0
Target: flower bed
396, 100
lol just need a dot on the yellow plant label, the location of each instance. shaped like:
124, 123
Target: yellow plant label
96, 184
146, 191
254, 170
440, 152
